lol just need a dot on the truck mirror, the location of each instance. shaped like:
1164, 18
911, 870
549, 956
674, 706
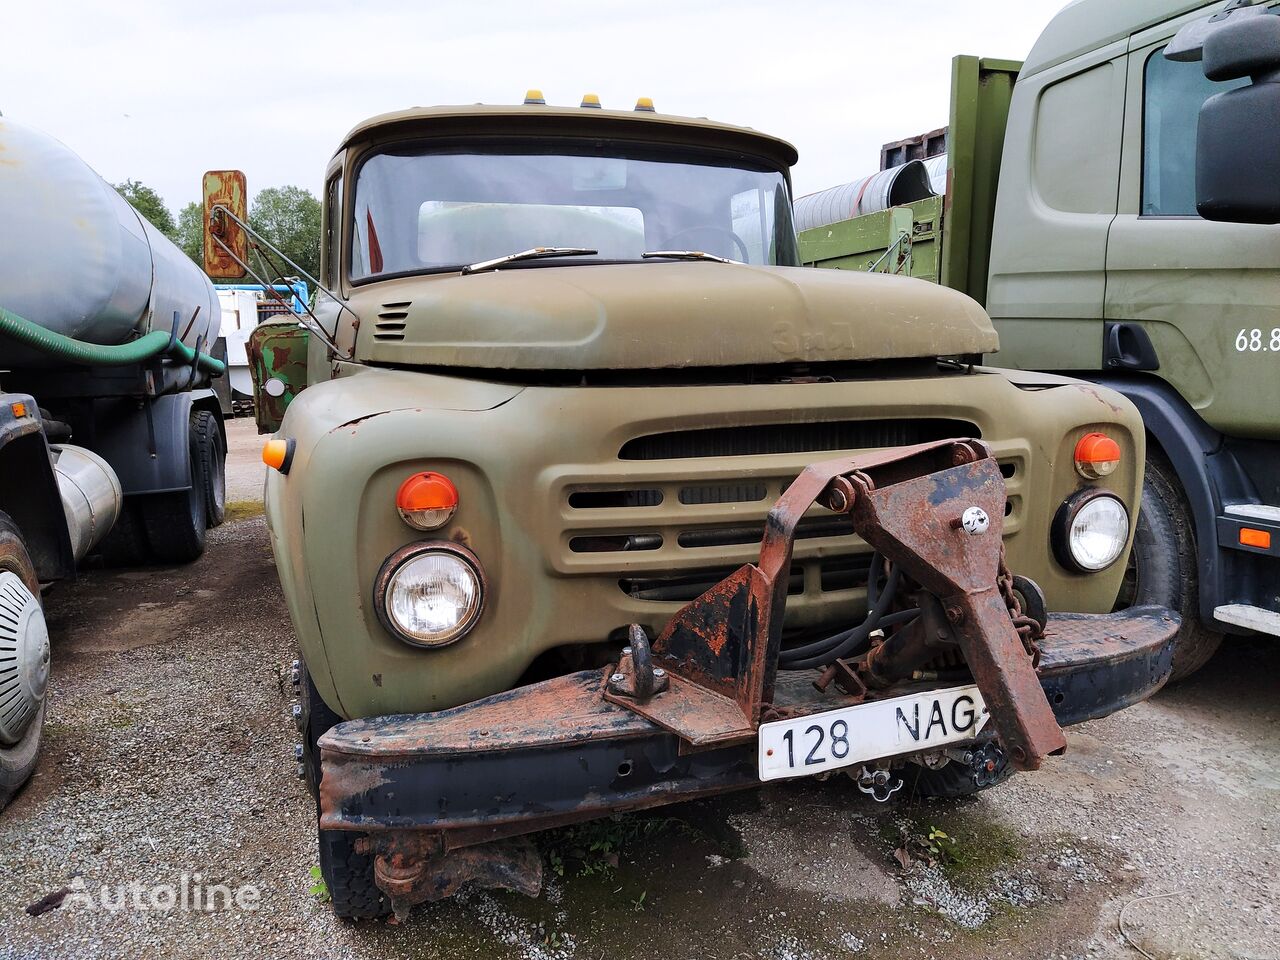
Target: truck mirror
1187, 46
224, 190
1238, 142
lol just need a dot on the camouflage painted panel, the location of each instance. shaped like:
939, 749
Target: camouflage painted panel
278, 361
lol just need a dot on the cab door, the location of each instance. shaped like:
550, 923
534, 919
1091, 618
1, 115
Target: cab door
1206, 294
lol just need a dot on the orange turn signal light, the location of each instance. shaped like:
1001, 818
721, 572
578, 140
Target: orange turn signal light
1097, 455
1249, 537
19, 409
278, 454
427, 500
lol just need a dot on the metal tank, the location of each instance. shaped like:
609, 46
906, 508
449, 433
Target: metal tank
77, 259
888, 188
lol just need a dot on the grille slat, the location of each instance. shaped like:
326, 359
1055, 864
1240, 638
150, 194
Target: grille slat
764, 439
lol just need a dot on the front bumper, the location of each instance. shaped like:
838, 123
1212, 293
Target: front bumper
671, 720
558, 752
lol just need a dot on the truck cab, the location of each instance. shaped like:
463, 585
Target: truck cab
1178, 312
1083, 242
576, 488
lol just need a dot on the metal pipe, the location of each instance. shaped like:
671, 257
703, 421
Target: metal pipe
91, 496
880, 191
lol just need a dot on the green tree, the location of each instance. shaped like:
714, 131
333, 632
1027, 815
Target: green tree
148, 203
190, 232
289, 217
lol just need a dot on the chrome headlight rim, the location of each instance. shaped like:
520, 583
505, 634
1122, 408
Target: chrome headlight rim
394, 563
1060, 533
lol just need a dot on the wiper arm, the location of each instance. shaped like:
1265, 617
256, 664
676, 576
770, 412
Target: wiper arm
533, 253
685, 255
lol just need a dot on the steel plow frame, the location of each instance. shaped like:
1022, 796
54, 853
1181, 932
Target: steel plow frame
716, 662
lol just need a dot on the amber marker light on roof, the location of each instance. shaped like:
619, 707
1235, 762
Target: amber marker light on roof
590, 100
645, 105
534, 97
1097, 455
427, 500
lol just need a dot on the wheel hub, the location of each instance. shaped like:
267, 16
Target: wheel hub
24, 657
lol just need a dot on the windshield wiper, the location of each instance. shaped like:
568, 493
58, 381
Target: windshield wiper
685, 255
533, 253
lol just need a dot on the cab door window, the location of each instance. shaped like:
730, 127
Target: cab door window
1172, 95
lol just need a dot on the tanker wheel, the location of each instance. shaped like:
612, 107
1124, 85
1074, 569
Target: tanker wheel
177, 523
24, 651
1163, 565
213, 464
348, 874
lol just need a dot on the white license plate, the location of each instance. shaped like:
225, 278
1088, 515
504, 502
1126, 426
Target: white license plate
870, 731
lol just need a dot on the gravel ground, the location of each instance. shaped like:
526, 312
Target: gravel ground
169, 753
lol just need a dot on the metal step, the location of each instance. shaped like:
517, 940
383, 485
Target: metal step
1254, 511
1255, 618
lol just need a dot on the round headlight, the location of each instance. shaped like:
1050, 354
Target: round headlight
1090, 531
430, 595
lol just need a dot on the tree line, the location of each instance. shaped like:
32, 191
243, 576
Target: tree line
289, 217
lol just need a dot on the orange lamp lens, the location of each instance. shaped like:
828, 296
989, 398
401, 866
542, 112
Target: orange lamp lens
427, 500
1255, 538
19, 409
1097, 455
278, 454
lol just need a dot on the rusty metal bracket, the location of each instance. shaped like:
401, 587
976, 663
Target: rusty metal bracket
636, 678
412, 867
936, 510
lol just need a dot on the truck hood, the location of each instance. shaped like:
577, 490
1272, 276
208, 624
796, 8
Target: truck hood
638, 316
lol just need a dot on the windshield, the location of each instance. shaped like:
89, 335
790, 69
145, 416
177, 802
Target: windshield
420, 208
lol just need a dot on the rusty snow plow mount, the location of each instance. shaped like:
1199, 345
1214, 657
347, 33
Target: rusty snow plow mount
956, 661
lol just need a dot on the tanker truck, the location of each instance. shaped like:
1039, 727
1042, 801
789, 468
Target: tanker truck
110, 439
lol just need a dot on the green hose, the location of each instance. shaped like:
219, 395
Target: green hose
96, 355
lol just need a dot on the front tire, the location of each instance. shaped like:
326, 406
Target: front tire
207, 443
348, 874
1163, 565
24, 648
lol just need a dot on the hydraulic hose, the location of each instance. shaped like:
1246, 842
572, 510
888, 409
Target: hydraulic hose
57, 345
822, 652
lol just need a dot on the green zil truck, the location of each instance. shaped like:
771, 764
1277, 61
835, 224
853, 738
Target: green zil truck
587, 497
1066, 205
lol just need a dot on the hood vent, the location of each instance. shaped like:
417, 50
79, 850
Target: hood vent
391, 320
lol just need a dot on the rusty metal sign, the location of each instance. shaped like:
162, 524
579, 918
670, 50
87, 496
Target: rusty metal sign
225, 189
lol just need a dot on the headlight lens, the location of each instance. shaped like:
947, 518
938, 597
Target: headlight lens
431, 596
1091, 531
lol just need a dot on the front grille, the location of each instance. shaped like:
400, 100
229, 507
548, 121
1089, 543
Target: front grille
675, 513
763, 439
835, 573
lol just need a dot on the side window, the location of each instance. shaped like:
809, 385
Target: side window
1172, 95
333, 232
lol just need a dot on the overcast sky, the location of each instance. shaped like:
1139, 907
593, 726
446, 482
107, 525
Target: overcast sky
162, 90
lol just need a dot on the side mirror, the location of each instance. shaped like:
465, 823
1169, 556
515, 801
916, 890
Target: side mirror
225, 190
1238, 142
